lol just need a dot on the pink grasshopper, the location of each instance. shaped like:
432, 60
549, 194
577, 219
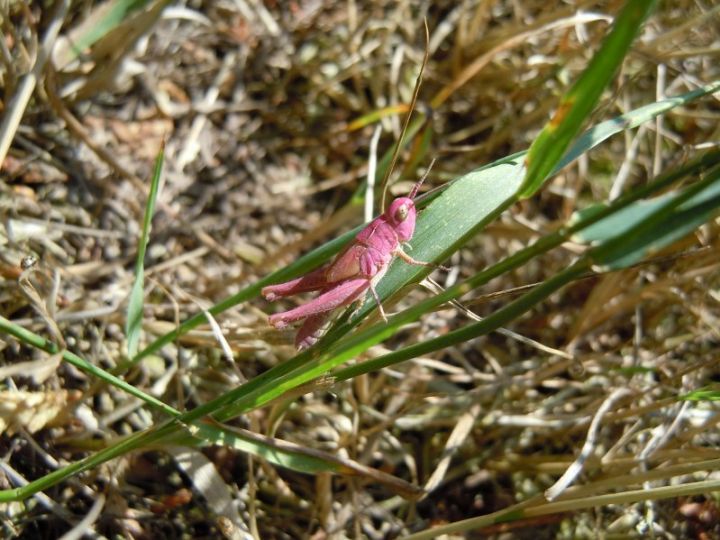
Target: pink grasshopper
361, 264
355, 269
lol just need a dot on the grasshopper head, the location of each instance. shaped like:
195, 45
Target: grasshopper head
401, 215
402, 212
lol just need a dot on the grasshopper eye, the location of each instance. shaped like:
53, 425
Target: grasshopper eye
401, 213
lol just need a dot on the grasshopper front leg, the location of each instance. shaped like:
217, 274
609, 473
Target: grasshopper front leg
408, 259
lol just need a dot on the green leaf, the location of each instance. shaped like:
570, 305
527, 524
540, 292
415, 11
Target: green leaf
465, 207
604, 130
133, 325
26, 336
296, 457
578, 103
702, 394
620, 239
284, 457
102, 20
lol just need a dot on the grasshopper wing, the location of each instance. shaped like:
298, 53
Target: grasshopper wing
346, 265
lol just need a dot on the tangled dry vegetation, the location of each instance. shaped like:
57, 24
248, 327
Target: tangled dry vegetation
254, 100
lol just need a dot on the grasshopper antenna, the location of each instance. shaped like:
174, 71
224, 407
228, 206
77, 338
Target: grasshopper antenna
416, 187
416, 91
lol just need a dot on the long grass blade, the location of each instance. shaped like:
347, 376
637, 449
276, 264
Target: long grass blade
133, 326
575, 107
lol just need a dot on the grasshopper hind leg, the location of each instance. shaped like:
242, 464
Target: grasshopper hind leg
310, 282
332, 297
311, 330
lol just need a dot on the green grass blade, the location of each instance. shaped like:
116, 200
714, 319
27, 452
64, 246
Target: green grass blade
575, 107
329, 361
531, 508
604, 130
133, 326
377, 115
284, 457
464, 208
297, 458
180, 428
647, 227
133, 442
185, 424
702, 394
26, 336
106, 19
